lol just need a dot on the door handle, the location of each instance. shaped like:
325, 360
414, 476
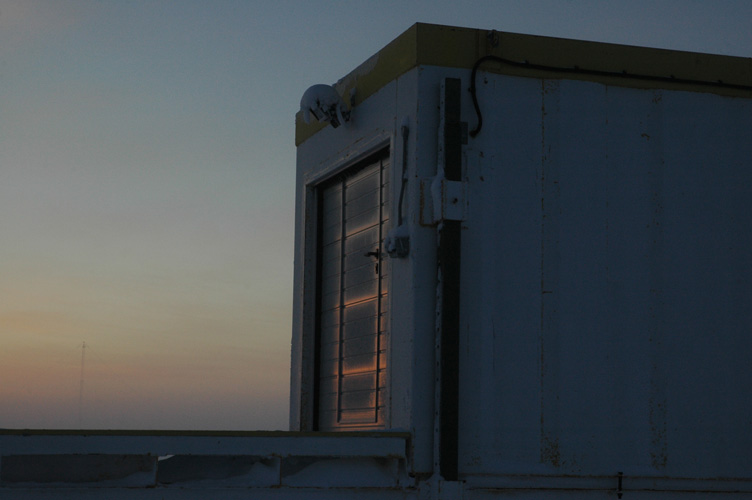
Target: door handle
376, 254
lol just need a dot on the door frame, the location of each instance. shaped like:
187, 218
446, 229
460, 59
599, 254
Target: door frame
313, 181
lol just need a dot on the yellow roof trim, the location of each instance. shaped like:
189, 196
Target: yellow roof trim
611, 64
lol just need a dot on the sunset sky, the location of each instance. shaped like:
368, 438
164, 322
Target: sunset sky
147, 167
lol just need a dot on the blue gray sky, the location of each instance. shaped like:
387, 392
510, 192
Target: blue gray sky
147, 167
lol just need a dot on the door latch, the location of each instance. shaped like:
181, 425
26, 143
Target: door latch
377, 254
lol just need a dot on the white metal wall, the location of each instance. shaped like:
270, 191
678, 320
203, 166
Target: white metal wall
376, 123
607, 282
606, 275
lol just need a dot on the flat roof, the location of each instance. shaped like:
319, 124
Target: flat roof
541, 57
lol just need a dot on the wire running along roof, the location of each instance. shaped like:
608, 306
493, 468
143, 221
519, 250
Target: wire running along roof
541, 57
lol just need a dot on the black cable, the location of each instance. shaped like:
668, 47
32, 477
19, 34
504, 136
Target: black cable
581, 71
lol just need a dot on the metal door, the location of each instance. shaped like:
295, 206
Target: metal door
352, 292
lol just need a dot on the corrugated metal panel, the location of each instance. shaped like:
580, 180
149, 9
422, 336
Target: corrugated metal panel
353, 307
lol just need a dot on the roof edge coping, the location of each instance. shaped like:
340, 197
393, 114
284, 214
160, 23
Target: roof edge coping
607, 63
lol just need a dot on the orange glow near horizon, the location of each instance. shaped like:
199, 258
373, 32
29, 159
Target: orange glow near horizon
172, 365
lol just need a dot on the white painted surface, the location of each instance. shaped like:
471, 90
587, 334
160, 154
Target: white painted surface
330, 152
376, 123
607, 278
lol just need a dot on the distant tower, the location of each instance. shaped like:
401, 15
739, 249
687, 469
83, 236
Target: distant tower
81, 386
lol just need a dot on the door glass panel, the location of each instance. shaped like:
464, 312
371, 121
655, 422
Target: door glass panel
352, 290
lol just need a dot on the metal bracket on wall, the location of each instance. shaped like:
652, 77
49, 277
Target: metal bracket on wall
442, 200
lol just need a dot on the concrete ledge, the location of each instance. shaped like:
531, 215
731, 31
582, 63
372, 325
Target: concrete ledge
34, 461
162, 443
